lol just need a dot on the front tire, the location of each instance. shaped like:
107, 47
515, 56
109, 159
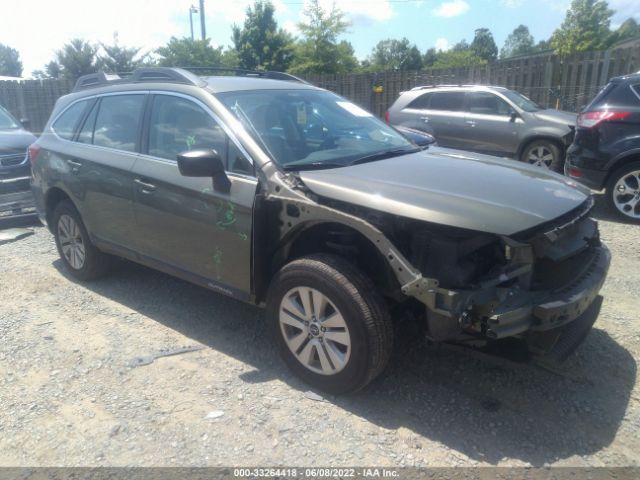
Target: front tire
544, 154
331, 327
81, 258
623, 192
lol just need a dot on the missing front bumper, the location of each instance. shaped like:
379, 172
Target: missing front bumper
551, 310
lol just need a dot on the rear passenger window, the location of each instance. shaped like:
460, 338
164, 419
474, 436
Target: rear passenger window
448, 101
117, 122
66, 124
178, 125
420, 103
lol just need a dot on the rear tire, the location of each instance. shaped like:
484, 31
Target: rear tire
623, 192
544, 154
81, 258
330, 326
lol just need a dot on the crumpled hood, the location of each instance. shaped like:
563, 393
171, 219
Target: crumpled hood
557, 116
15, 140
450, 187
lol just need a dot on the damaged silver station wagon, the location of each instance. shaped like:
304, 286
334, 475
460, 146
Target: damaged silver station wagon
281, 194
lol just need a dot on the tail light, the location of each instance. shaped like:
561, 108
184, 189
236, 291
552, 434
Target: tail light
386, 116
34, 150
591, 119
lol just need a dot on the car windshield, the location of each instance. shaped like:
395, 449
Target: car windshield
6, 120
521, 101
306, 129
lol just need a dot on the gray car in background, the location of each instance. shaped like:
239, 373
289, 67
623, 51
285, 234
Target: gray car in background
491, 120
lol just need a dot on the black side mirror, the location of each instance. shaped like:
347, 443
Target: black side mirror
204, 163
25, 122
513, 116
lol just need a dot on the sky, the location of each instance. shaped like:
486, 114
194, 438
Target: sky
37, 28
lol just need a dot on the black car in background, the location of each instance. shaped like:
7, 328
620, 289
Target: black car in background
605, 153
15, 170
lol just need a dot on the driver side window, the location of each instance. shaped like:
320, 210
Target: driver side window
485, 103
178, 125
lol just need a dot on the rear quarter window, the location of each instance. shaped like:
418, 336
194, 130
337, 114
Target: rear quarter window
617, 94
66, 124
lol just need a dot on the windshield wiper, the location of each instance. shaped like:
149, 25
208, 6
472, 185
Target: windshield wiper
312, 166
384, 154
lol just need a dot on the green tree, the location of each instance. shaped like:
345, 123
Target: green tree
458, 58
184, 52
483, 45
392, 54
116, 58
585, 27
430, 57
628, 29
10, 63
76, 58
51, 70
519, 42
461, 46
319, 50
260, 44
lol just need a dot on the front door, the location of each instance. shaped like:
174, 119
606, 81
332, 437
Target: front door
492, 126
183, 222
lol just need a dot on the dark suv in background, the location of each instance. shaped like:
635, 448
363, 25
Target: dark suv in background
14, 141
491, 120
288, 196
606, 151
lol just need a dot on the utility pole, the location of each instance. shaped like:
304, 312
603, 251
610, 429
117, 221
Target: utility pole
202, 27
192, 9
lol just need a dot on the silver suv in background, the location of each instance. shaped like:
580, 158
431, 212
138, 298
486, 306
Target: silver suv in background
491, 120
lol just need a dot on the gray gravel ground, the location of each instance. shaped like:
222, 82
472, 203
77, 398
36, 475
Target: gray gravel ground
68, 395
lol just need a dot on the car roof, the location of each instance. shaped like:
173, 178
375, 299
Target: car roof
457, 87
631, 77
219, 84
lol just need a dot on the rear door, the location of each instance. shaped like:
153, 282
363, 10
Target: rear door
443, 117
184, 225
489, 125
98, 163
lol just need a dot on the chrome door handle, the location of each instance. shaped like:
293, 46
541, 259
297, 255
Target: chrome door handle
424, 119
146, 187
471, 123
74, 164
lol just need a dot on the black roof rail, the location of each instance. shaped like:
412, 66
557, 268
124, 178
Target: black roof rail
243, 72
140, 75
165, 74
94, 80
188, 76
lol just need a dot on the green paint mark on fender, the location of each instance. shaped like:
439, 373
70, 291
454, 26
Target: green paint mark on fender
217, 260
191, 140
243, 236
228, 215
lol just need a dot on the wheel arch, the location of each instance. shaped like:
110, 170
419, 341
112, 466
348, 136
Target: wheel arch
621, 161
541, 136
53, 197
335, 237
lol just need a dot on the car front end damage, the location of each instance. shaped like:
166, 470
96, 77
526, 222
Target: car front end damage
540, 285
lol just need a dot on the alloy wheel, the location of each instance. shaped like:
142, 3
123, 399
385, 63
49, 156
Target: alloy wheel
314, 330
540, 156
71, 242
626, 194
